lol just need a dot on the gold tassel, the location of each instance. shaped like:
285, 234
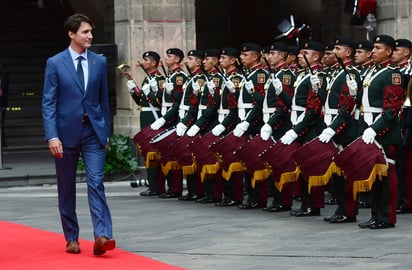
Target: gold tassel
170, 165
233, 167
378, 171
323, 180
209, 169
187, 170
287, 177
259, 175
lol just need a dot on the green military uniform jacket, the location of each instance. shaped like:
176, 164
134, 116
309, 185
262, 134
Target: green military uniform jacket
340, 107
307, 105
149, 113
189, 103
276, 109
382, 99
171, 115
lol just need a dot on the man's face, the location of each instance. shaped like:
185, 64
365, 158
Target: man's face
400, 55
380, 53
83, 38
149, 64
226, 61
193, 62
248, 59
362, 56
209, 63
171, 60
329, 58
311, 55
275, 57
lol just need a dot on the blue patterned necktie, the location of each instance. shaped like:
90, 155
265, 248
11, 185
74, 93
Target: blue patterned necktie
80, 71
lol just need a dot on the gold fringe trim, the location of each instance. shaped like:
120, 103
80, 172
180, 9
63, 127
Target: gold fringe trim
209, 169
170, 165
323, 180
365, 185
190, 169
259, 176
233, 167
287, 177
151, 160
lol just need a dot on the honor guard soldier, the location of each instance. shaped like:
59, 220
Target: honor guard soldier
149, 100
228, 118
250, 101
382, 100
401, 57
209, 100
309, 94
276, 107
292, 60
342, 89
188, 111
175, 78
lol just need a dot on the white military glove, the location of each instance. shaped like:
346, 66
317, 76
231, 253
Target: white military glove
153, 84
368, 135
180, 129
315, 82
193, 130
241, 128
352, 85
230, 86
249, 86
146, 89
196, 88
289, 137
211, 85
277, 84
326, 135
169, 86
219, 129
131, 85
158, 123
265, 132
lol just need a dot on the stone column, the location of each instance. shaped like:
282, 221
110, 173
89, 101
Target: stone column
394, 18
142, 25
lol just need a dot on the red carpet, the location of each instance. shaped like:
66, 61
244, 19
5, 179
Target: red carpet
23, 247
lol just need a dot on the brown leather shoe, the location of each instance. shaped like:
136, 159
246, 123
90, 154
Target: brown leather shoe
73, 247
102, 244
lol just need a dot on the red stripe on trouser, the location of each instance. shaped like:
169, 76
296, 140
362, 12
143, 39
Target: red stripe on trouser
177, 185
318, 195
199, 188
218, 186
263, 192
161, 180
287, 193
351, 205
408, 178
237, 184
393, 186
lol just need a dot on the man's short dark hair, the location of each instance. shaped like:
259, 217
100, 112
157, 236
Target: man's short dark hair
74, 21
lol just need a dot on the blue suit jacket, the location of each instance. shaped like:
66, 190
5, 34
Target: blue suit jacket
65, 102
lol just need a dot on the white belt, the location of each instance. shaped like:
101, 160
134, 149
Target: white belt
268, 110
245, 106
148, 109
222, 114
184, 107
329, 115
372, 109
167, 104
298, 108
368, 116
202, 107
224, 111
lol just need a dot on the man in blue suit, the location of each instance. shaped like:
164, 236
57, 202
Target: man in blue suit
77, 120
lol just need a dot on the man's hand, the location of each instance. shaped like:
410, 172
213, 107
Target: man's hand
146, 89
193, 130
326, 135
180, 129
289, 137
265, 132
218, 130
196, 88
158, 123
56, 148
277, 84
153, 84
131, 85
211, 86
315, 82
249, 86
241, 128
352, 85
369, 135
